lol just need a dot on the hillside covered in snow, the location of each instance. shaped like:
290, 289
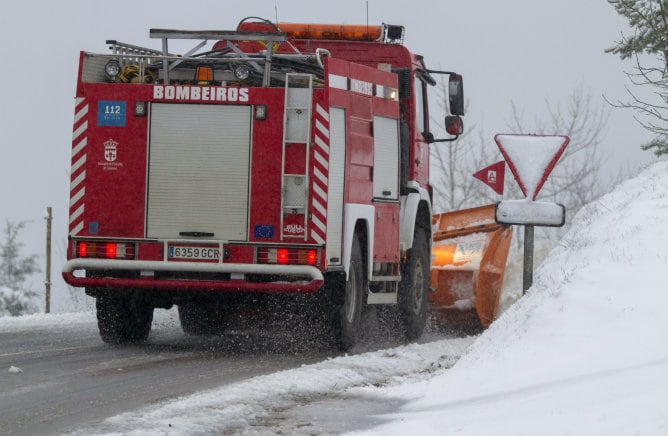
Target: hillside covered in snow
584, 352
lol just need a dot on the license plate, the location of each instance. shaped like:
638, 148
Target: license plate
186, 252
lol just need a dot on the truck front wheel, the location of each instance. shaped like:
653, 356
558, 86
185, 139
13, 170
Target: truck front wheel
349, 322
123, 320
413, 289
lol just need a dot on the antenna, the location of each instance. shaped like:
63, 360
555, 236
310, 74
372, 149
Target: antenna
276, 11
367, 15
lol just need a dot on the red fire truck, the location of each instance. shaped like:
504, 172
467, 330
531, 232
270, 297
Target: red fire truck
281, 159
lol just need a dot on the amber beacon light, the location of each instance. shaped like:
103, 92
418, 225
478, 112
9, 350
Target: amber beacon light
332, 31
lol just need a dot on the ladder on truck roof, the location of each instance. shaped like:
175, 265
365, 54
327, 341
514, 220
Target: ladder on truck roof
297, 136
129, 54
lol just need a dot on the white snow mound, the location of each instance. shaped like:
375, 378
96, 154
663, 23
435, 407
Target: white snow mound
585, 351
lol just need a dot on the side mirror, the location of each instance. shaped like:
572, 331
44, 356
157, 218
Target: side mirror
454, 125
456, 94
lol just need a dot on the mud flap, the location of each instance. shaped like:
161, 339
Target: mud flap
468, 264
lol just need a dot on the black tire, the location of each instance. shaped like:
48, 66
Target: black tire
349, 317
201, 318
414, 288
123, 320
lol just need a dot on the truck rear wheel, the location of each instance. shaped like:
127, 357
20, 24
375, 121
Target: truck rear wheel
123, 320
349, 320
413, 289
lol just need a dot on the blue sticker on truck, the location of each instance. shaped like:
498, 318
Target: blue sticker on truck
261, 231
111, 113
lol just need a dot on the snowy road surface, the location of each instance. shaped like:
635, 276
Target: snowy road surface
63, 376
58, 377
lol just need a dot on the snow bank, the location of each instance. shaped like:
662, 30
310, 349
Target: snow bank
236, 408
585, 352
39, 321
42, 320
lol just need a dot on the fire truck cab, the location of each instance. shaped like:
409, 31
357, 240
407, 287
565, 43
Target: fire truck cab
283, 159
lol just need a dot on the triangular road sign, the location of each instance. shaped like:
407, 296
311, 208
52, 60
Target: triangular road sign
531, 158
493, 176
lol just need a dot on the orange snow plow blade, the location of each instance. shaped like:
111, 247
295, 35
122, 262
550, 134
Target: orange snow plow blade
468, 263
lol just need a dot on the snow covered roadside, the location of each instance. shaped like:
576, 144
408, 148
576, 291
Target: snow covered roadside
41, 320
247, 406
585, 352
73, 320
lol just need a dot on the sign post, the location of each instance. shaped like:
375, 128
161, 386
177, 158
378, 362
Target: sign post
47, 281
531, 158
527, 273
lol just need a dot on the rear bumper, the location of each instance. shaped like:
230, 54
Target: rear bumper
280, 276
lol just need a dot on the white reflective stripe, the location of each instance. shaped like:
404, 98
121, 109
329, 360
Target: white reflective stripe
318, 224
322, 112
75, 231
80, 130
320, 193
321, 159
76, 197
338, 82
321, 128
320, 208
78, 164
316, 237
320, 176
359, 86
321, 143
80, 114
76, 214
78, 180
80, 146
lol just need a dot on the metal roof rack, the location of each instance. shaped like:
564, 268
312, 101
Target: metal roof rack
218, 35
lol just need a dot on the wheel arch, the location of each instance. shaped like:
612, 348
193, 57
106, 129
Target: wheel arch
358, 218
415, 211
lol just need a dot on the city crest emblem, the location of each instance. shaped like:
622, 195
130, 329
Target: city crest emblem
110, 150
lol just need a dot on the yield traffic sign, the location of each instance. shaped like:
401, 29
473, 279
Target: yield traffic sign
531, 158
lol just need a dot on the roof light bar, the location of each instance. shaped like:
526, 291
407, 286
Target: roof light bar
332, 31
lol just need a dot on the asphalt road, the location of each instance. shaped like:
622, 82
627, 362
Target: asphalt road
69, 378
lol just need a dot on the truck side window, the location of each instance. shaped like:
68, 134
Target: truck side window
421, 121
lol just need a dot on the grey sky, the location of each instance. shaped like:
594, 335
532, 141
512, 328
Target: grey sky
519, 50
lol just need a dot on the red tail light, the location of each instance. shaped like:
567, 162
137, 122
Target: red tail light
288, 256
110, 250
282, 256
105, 250
81, 249
309, 257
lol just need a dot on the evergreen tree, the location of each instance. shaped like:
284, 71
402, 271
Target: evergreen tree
649, 20
15, 298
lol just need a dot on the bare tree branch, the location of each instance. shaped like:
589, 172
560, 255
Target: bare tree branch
649, 19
